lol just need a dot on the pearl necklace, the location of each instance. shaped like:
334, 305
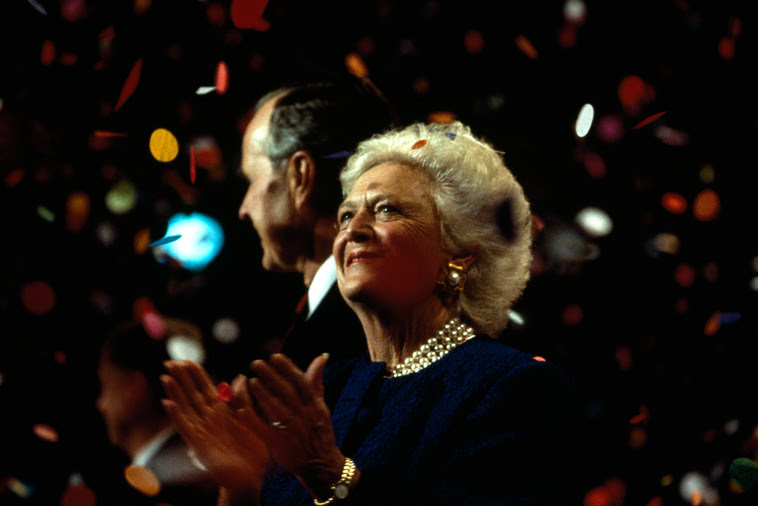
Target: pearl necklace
451, 335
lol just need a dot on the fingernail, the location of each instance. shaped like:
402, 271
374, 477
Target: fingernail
325, 355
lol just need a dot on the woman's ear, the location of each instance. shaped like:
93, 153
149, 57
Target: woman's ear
465, 262
301, 178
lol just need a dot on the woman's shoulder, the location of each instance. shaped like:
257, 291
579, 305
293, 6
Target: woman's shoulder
483, 358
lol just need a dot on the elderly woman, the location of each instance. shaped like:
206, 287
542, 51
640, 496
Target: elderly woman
437, 411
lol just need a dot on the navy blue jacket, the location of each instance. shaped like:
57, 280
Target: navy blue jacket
486, 424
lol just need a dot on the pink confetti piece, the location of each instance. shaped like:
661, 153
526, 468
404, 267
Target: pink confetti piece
223, 392
648, 120
130, 85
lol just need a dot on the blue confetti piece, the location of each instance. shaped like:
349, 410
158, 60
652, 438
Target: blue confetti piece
165, 240
338, 154
450, 135
727, 318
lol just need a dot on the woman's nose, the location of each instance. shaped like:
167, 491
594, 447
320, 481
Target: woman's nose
359, 228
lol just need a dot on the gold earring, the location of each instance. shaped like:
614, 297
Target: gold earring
455, 279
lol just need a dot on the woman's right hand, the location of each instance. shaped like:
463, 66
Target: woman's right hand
234, 455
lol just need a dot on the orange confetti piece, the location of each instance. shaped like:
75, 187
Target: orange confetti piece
648, 120
538, 358
526, 47
248, 14
713, 324
441, 117
222, 77
130, 85
193, 167
355, 65
419, 144
223, 392
142, 479
706, 206
77, 211
673, 203
46, 433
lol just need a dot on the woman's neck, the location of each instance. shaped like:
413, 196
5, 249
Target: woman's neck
394, 336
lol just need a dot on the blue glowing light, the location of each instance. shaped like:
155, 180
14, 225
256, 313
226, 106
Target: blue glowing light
201, 240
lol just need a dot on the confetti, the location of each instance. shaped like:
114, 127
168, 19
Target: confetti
473, 41
165, 240
163, 145
225, 330
47, 53
204, 90
193, 165
450, 135
223, 392
181, 347
538, 358
38, 297
706, 206
105, 133
37, 6
648, 120
572, 315
419, 144
355, 65
594, 221
338, 154
441, 117
673, 202
154, 325
130, 85
247, 14
142, 479
45, 213
526, 47
121, 198
77, 211
222, 78
45, 432
744, 473
78, 494
584, 120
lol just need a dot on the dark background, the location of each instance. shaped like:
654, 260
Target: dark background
639, 341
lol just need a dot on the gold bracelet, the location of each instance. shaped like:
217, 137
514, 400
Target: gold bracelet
342, 487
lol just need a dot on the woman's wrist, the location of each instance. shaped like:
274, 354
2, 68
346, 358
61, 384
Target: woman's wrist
340, 488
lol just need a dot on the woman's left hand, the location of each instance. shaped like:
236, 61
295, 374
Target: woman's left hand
294, 420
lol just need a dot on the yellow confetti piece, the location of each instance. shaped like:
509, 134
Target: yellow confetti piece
163, 145
142, 479
441, 117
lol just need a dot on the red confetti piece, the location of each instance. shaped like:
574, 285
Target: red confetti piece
419, 144
247, 14
130, 85
105, 133
78, 494
641, 417
193, 168
673, 203
223, 392
648, 120
47, 53
222, 78
38, 297
707, 205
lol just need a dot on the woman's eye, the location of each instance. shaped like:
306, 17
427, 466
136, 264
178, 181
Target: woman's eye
344, 218
387, 209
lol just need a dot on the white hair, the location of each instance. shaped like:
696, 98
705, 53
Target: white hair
481, 206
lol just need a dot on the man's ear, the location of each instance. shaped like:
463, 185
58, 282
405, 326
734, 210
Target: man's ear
301, 177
